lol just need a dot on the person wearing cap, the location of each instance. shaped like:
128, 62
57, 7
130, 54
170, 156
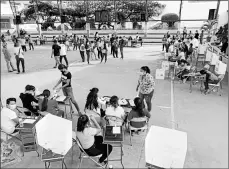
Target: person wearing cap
7, 56
66, 87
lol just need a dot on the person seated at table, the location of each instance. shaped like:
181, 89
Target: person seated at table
138, 112
94, 103
114, 109
181, 54
184, 69
210, 77
9, 118
90, 140
48, 105
29, 101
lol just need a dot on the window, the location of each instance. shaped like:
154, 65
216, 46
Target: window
5, 23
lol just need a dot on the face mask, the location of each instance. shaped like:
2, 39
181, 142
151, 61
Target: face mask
12, 106
141, 73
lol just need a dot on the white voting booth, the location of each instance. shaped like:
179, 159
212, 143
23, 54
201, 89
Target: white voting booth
160, 74
54, 133
165, 148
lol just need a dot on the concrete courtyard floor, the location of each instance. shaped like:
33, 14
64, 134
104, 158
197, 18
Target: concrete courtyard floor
203, 117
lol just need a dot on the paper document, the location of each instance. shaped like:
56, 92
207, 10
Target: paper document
60, 98
116, 130
131, 103
29, 121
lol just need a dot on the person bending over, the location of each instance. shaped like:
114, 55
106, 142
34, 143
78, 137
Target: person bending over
66, 87
91, 141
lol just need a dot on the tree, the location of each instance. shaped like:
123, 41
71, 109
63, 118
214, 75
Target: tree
170, 19
125, 11
222, 32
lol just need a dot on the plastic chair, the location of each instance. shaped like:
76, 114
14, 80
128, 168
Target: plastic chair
217, 86
84, 155
137, 120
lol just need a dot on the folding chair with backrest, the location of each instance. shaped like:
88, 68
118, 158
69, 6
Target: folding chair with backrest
217, 86
84, 155
8, 136
137, 120
200, 58
115, 121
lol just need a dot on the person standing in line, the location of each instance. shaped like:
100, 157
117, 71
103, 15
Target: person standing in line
146, 84
56, 52
19, 55
196, 35
201, 36
93, 46
115, 48
7, 56
30, 43
121, 44
168, 34
67, 44
99, 47
104, 52
88, 50
66, 87
63, 53
164, 39
82, 50
75, 42
23, 45
112, 46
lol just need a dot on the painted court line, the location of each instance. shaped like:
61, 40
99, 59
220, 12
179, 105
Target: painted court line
172, 105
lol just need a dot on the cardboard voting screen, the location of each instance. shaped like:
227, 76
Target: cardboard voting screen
165, 148
202, 49
160, 74
54, 133
214, 59
208, 56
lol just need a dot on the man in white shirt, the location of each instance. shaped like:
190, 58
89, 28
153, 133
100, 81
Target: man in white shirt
19, 55
9, 118
23, 45
195, 43
63, 52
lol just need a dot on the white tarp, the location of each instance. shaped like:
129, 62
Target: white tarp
165, 148
54, 133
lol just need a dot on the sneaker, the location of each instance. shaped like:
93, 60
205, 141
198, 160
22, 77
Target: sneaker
10, 71
103, 164
54, 67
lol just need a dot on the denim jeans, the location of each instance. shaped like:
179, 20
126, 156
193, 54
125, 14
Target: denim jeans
22, 61
147, 98
67, 91
65, 58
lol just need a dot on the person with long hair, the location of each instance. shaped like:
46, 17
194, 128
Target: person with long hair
94, 103
114, 109
88, 50
46, 104
138, 112
91, 141
146, 84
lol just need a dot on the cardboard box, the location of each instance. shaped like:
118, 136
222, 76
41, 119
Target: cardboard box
165, 65
220, 68
160, 74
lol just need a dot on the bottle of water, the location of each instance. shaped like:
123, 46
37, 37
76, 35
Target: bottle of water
110, 167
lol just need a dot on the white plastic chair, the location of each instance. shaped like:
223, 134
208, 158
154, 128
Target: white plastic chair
137, 120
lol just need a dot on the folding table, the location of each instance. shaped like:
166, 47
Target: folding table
116, 140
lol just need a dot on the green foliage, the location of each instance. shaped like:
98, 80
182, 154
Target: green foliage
125, 11
223, 32
170, 19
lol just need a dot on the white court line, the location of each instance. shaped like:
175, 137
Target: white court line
172, 105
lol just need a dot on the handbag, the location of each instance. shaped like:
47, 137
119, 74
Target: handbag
17, 56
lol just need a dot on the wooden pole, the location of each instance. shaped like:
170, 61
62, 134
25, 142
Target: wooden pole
180, 11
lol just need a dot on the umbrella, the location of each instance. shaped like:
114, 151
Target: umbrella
54, 133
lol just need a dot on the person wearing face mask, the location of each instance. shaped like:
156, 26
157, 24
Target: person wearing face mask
146, 84
29, 101
66, 87
9, 118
